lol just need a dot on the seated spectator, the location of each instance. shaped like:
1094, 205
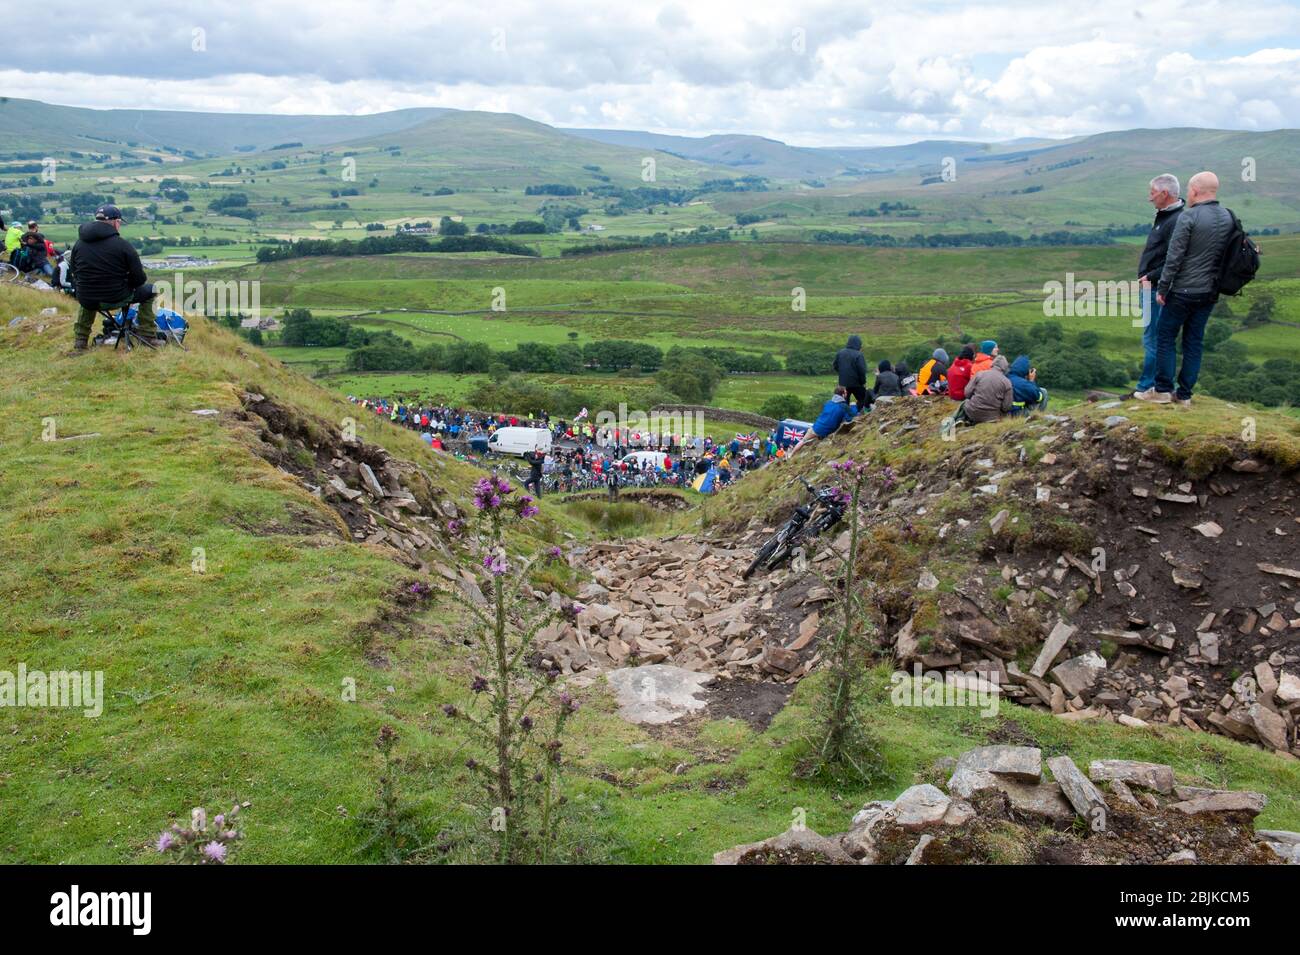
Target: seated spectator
13, 237
1024, 384
959, 374
932, 379
31, 257
834, 413
906, 379
984, 360
887, 385
989, 396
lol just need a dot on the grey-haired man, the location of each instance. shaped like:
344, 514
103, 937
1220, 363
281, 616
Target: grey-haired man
1163, 194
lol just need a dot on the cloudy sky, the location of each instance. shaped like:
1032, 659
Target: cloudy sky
811, 73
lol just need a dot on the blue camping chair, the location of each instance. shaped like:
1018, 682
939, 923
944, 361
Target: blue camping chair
122, 326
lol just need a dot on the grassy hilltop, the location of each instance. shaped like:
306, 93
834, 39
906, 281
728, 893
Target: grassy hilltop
224, 685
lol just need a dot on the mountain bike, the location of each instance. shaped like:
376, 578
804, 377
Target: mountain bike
824, 509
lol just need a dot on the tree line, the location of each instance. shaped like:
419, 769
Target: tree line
389, 245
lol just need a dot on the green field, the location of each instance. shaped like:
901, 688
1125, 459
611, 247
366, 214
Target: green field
894, 299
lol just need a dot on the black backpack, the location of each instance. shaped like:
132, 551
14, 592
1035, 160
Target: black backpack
1240, 259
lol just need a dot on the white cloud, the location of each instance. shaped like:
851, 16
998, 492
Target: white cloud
862, 75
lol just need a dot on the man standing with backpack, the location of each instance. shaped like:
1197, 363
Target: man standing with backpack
1189, 287
1163, 193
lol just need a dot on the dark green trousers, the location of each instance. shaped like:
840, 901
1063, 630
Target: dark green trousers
86, 319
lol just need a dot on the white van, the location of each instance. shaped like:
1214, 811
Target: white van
654, 459
519, 441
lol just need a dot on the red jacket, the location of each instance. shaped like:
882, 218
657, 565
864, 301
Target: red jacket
959, 375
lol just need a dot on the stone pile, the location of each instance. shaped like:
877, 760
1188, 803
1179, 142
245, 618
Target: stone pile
1118, 811
683, 603
382, 500
1170, 617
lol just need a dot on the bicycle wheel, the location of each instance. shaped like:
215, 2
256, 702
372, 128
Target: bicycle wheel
764, 553
8, 274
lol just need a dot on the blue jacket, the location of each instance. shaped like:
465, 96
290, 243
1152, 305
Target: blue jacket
1022, 388
834, 413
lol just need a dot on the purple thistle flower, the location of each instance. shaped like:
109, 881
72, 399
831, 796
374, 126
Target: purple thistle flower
454, 528
496, 564
449, 709
555, 552
568, 704
478, 684
166, 841
215, 852
526, 723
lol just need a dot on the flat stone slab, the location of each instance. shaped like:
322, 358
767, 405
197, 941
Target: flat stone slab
1156, 776
1052, 647
1044, 800
1250, 803
657, 693
920, 806
1079, 674
1086, 799
799, 843
1024, 763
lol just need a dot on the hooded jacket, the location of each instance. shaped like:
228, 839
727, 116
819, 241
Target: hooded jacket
1022, 388
1157, 247
990, 396
982, 362
834, 413
1196, 250
850, 364
958, 378
107, 268
13, 239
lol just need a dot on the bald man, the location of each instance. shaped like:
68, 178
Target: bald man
1188, 289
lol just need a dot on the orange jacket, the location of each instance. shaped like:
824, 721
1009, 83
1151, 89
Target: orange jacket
926, 373
982, 362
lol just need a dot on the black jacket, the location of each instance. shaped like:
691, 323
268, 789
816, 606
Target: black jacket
1196, 250
1153, 253
850, 365
106, 266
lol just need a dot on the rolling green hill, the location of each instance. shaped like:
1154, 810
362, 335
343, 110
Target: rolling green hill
29, 124
747, 155
470, 148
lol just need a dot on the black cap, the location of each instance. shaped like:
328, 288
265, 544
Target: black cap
108, 211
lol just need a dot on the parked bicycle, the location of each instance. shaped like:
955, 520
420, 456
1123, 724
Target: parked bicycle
824, 509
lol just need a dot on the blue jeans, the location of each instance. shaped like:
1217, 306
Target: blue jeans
1151, 316
1187, 314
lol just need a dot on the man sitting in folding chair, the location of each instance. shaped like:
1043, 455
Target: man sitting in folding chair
109, 276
